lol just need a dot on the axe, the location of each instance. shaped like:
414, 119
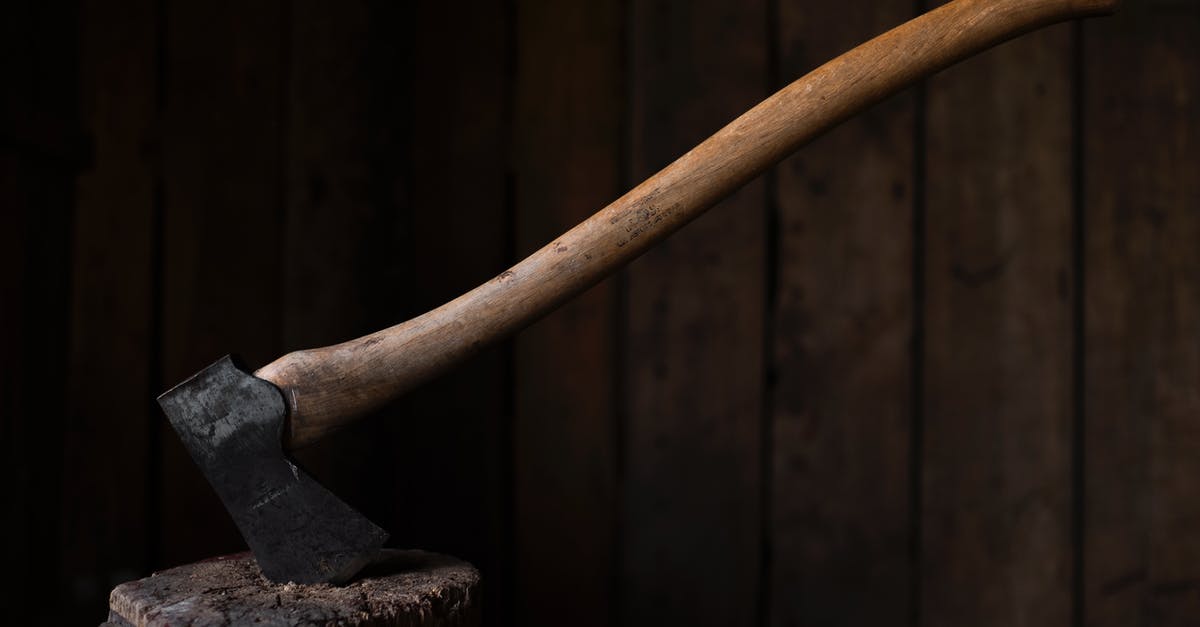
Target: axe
237, 425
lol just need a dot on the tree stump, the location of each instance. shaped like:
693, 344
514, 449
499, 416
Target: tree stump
402, 588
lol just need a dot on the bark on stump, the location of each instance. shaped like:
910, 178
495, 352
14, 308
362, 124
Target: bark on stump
403, 588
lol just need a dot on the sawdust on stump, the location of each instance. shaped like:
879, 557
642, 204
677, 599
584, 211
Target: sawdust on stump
402, 588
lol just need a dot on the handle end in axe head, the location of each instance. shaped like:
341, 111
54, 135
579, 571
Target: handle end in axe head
231, 423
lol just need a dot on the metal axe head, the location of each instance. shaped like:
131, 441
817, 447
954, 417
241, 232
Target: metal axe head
231, 422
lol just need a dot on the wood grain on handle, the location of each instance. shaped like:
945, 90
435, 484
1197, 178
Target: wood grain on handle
327, 388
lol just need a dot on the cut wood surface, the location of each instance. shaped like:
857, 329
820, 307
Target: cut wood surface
403, 589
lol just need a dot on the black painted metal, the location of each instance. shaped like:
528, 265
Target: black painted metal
231, 422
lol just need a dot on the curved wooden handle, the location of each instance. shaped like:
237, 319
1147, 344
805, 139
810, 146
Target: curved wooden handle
327, 388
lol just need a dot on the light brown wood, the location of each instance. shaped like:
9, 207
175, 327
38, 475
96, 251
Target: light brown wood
327, 388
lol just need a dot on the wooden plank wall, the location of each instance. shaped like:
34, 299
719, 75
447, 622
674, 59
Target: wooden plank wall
693, 318
938, 368
41, 151
841, 413
567, 160
1139, 158
995, 513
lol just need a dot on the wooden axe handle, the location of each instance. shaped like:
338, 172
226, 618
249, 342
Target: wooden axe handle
327, 388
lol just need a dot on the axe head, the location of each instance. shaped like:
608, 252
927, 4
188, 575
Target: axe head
232, 423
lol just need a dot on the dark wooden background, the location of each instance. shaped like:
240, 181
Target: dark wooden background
942, 367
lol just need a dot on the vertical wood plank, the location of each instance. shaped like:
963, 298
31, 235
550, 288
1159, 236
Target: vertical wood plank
36, 292
39, 159
996, 517
1141, 151
841, 347
569, 99
223, 243
453, 485
104, 522
12, 392
691, 519
347, 124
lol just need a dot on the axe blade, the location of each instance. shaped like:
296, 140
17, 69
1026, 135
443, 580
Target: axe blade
231, 423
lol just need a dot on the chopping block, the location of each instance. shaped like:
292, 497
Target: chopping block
400, 588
